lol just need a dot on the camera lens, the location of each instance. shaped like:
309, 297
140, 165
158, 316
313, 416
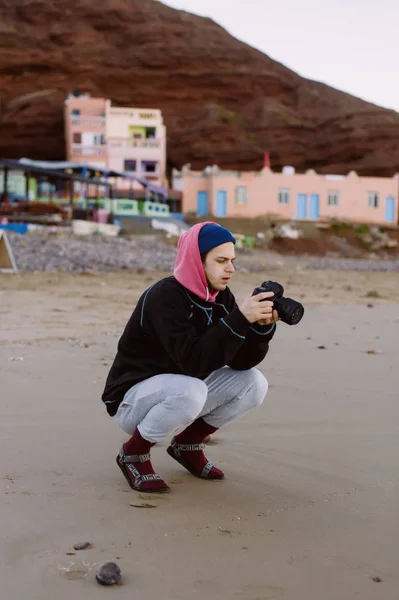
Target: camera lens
296, 315
290, 311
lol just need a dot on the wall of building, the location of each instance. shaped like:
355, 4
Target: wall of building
109, 136
90, 123
122, 124
253, 194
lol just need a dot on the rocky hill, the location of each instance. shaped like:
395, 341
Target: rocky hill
223, 101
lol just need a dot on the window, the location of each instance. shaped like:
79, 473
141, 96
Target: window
98, 140
75, 112
241, 195
92, 139
149, 166
77, 138
333, 198
283, 196
150, 133
373, 199
87, 138
130, 165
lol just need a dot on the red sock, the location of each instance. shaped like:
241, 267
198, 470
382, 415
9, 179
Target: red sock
138, 445
195, 434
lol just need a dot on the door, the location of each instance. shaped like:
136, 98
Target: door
202, 204
221, 203
87, 138
390, 209
301, 202
314, 206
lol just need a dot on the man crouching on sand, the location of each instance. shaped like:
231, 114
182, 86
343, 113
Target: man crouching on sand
185, 361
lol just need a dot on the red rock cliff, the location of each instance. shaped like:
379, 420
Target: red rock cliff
223, 101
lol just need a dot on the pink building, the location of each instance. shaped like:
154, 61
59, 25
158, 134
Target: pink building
129, 140
85, 120
136, 142
288, 195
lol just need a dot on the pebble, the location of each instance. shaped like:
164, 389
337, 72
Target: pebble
51, 252
65, 252
108, 574
82, 546
349, 264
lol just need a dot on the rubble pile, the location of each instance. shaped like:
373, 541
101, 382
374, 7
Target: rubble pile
376, 240
54, 252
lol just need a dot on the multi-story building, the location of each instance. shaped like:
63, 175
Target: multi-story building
127, 140
136, 142
85, 126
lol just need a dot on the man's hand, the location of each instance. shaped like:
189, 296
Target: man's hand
270, 320
259, 309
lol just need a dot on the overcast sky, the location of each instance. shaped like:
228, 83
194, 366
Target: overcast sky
352, 45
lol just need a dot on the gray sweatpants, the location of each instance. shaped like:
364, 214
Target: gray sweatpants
166, 404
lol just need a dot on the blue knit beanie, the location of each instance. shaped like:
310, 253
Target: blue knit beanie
213, 235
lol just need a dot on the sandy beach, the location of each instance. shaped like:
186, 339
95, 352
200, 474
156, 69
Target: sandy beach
310, 505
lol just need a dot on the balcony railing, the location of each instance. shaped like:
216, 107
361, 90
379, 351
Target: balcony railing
133, 143
139, 173
150, 176
142, 115
79, 150
86, 121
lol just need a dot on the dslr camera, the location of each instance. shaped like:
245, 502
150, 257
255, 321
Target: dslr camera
290, 311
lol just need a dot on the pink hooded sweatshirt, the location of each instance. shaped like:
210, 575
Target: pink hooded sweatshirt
189, 270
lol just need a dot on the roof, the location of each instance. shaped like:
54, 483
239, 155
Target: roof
53, 172
92, 168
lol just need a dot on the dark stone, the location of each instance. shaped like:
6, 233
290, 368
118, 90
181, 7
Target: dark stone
108, 574
82, 546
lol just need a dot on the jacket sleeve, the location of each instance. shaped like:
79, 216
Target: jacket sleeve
168, 316
255, 346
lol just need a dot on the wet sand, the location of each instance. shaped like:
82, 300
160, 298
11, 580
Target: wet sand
310, 505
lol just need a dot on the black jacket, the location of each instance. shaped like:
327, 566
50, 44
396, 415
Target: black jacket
173, 331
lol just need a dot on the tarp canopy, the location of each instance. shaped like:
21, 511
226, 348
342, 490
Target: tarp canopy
93, 168
34, 167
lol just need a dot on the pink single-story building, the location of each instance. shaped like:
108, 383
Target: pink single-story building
288, 195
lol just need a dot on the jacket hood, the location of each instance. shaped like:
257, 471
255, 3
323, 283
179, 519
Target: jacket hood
189, 270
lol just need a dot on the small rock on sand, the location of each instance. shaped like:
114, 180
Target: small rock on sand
82, 546
108, 574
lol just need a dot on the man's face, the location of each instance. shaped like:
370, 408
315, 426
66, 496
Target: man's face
219, 266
